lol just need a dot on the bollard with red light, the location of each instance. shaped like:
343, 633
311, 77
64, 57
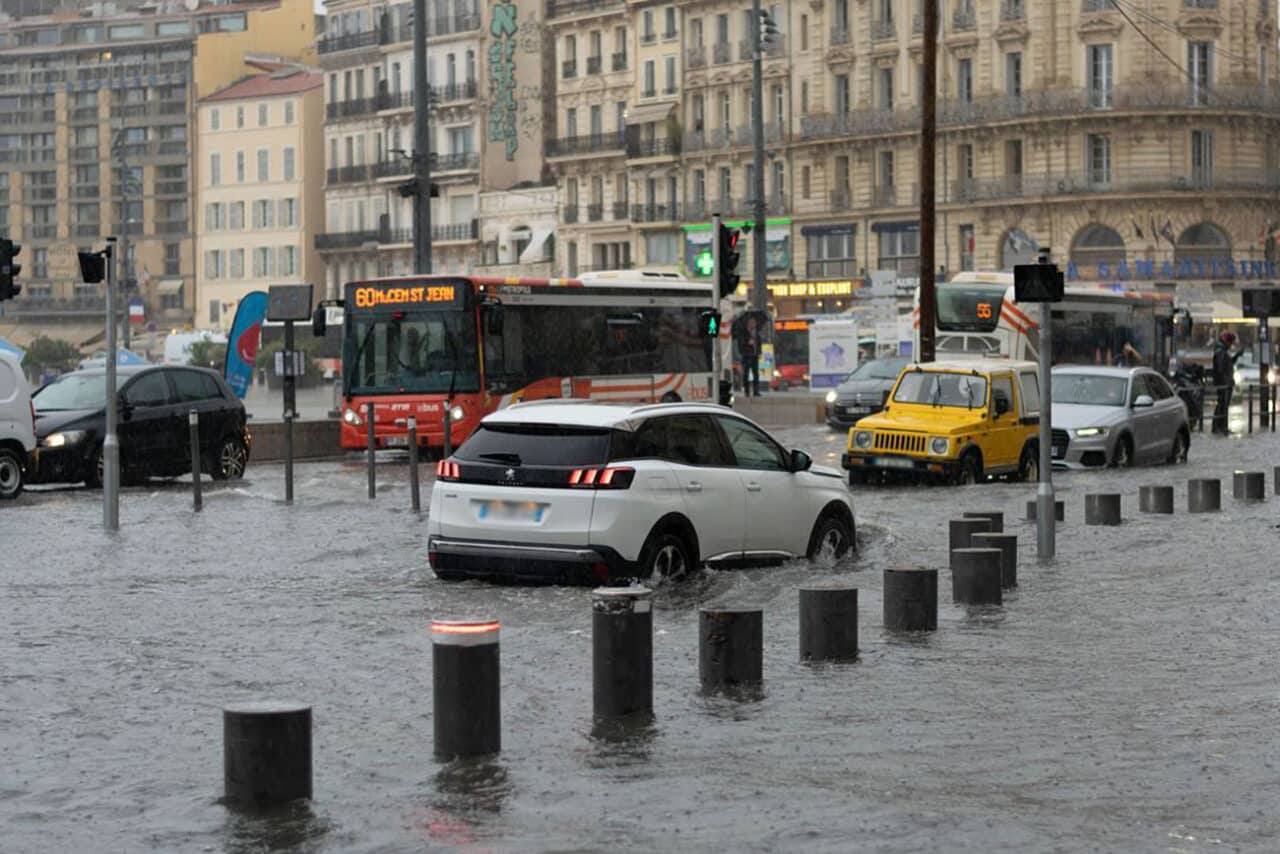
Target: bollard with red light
465, 688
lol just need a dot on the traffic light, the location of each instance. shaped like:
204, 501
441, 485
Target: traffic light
710, 323
9, 269
727, 276
769, 32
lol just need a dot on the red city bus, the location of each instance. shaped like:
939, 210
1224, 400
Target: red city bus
467, 345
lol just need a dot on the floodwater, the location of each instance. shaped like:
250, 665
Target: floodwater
1124, 699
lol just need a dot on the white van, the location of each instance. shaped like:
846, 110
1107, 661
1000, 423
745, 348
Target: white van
17, 426
177, 345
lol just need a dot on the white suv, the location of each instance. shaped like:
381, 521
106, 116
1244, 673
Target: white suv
17, 426
575, 491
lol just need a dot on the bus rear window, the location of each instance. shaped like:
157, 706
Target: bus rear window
537, 445
969, 308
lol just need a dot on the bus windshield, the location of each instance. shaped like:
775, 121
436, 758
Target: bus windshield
969, 307
791, 343
412, 351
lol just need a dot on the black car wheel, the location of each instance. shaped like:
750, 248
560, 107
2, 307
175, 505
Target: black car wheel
10, 473
231, 459
665, 555
94, 472
831, 540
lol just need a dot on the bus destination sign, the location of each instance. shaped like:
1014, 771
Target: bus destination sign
376, 296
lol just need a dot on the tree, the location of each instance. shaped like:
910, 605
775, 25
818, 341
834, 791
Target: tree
206, 353
50, 355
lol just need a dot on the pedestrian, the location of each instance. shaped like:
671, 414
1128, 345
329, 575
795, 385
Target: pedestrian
1224, 367
749, 345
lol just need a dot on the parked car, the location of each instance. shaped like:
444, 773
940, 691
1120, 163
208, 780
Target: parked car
577, 491
956, 422
17, 426
154, 403
1116, 416
1247, 371
863, 392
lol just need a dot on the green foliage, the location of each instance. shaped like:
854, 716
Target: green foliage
50, 355
208, 354
306, 343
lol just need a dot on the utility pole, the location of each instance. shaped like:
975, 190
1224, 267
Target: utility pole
928, 142
111, 442
757, 128
125, 181
421, 144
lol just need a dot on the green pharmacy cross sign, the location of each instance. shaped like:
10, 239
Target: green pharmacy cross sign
705, 262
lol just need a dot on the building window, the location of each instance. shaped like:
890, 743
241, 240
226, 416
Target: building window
1013, 165
571, 269
288, 260
804, 32
262, 261
662, 248
726, 110
289, 164
1199, 57
264, 164
1101, 76
669, 31
700, 188
966, 248
843, 100
649, 79
173, 259
699, 110
240, 167
40, 263
884, 77
215, 119
262, 115
1095, 244
1013, 74
1202, 158
239, 117
571, 122
213, 217
288, 112
236, 265
900, 251
804, 97
213, 264
669, 69
832, 254
288, 213
262, 217
215, 169
886, 171
964, 161
964, 81
726, 186
647, 33
1098, 148
235, 216
804, 182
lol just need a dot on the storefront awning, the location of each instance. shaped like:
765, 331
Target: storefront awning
838, 228
169, 286
79, 335
535, 251
908, 225
649, 113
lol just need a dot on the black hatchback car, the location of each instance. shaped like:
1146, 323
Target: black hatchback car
153, 425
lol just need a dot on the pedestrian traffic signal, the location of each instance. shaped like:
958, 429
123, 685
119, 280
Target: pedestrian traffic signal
9, 269
769, 32
710, 323
727, 277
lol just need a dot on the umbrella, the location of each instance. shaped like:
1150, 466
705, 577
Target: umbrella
128, 357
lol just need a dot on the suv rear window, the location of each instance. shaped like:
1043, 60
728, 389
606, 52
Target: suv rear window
537, 445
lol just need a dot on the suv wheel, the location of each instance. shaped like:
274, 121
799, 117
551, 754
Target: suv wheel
1123, 458
1029, 465
831, 540
969, 471
230, 462
665, 555
10, 473
1180, 445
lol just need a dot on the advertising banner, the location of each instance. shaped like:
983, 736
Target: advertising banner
242, 344
833, 351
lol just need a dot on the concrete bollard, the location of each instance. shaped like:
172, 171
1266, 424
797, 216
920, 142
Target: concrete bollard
962, 531
1155, 499
465, 687
1204, 495
828, 623
1102, 508
730, 646
976, 576
1008, 546
266, 753
1276, 485
996, 519
1059, 511
911, 599
622, 651
1249, 486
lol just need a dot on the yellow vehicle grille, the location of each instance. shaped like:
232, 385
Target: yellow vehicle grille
903, 443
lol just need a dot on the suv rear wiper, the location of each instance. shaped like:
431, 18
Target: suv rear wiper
502, 457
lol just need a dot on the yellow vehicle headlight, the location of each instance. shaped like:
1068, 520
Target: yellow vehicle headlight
862, 439
939, 445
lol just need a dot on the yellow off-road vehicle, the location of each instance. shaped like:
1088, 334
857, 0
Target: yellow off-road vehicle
956, 422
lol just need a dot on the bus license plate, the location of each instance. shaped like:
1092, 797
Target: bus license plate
510, 511
895, 463
397, 441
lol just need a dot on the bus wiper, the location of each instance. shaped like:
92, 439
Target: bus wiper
502, 457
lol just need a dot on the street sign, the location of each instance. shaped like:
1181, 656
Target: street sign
1260, 302
1037, 283
289, 302
294, 367
705, 263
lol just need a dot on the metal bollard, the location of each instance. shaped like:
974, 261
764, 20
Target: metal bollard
1249, 486
1059, 511
1276, 485
995, 518
622, 651
1204, 495
1102, 508
266, 753
446, 449
976, 577
961, 531
1008, 546
911, 599
414, 492
197, 497
465, 687
1155, 499
828, 623
730, 646
1249, 418
373, 444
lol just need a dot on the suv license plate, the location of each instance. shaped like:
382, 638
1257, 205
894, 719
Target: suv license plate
397, 441
510, 511
895, 463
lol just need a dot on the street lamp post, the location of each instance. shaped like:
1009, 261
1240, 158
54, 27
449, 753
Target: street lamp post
421, 144
126, 183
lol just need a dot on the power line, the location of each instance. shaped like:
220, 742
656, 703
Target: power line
1133, 7
1119, 8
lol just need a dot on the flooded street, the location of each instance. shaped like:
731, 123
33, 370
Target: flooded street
1123, 699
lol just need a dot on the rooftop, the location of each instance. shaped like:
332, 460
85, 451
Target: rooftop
269, 85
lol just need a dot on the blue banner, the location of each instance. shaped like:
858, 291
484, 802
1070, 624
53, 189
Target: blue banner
242, 344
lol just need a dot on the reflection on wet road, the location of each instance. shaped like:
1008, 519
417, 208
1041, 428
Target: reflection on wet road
1123, 699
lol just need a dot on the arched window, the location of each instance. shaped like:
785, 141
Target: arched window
1017, 247
1097, 244
1203, 241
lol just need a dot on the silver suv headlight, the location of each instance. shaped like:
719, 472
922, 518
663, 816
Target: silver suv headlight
831, 396
862, 439
939, 445
1087, 432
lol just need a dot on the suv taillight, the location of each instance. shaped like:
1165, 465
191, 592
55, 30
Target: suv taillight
448, 470
611, 477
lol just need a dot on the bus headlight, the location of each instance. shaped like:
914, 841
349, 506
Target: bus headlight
456, 413
939, 445
350, 416
777, 374
862, 439
831, 396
